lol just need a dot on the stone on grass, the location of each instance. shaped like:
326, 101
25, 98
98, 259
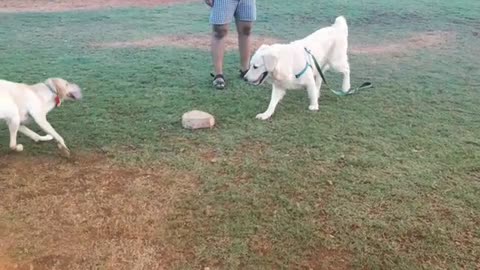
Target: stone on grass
197, 119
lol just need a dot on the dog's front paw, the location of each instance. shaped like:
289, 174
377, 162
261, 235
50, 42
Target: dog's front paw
17, 148
46, 138
313, 107
263, 116
64, 150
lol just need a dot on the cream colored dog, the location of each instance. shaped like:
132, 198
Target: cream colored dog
290, 66
19, 102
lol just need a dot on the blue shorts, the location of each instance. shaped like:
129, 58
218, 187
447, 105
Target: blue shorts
223, 11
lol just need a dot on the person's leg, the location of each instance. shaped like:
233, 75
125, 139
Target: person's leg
218, 46
221, 15
244, 43
245, 15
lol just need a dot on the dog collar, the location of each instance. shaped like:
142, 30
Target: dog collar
58, 101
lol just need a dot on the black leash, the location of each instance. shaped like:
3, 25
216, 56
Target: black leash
364, 85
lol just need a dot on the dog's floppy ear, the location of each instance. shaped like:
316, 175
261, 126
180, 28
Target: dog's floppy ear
59, 85
282, 72
270, 60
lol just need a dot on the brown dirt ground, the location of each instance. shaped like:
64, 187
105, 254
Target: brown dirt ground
422, 40
88, 213
65, 5
192, 41
330, 259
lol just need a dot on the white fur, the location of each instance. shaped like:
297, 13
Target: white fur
19, 102
283, 61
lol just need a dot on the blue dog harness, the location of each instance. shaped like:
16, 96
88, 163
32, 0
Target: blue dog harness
307, 65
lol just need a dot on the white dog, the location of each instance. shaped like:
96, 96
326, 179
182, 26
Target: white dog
19, 102
291, 66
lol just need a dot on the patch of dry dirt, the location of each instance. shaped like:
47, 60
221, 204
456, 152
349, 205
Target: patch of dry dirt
328, 259
424, 40
88, 213
183, 41
65, 5
261, 245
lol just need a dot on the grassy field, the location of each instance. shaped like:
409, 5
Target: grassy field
386, 179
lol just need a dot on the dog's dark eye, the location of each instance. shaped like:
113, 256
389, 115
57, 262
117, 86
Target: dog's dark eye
255, 67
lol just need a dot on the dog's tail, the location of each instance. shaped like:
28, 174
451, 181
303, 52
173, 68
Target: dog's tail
341, 24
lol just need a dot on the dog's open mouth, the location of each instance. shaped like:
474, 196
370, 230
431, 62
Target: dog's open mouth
74, 95
261, 78
75, 92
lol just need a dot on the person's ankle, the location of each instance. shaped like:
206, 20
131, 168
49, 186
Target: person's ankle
218, 81
243, 72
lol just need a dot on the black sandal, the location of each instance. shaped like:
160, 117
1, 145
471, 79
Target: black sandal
242, 73
218, 81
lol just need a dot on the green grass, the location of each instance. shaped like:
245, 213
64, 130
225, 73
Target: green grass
388, 178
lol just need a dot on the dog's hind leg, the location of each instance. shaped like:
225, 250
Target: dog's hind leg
343, 67
34, 136
13, 125
346, 78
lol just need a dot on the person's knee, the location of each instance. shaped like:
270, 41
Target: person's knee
245, 29
220, 31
